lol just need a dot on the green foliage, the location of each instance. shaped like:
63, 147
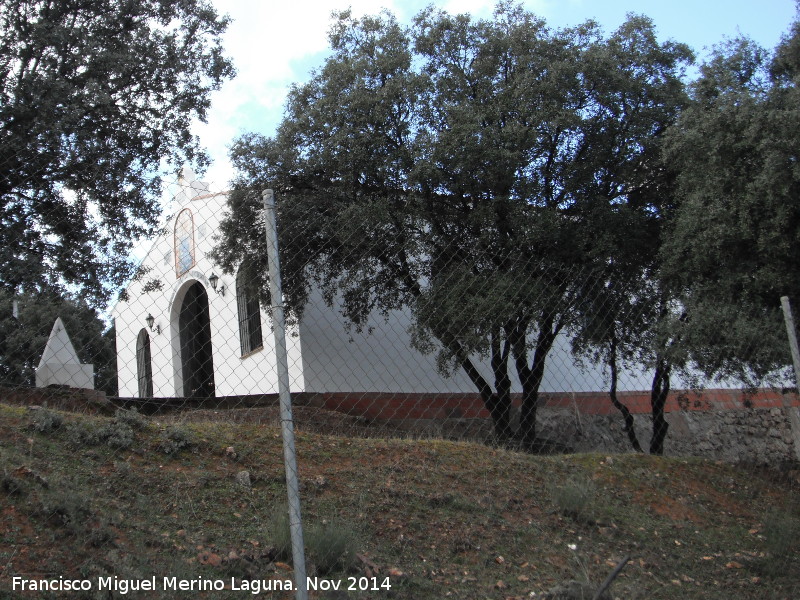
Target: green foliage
123, 469
93, 96
115, 434
331, 545
280, 535
11, 485
23, 339
84, 434
174, 439
64, 506
132, 418
781, 538
46, 421
119, 433
468, 170
733, 249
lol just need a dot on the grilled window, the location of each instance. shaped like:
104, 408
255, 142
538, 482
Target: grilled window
249, 310
144, 365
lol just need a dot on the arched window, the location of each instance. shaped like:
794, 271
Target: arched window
144, 366
184, 242
249, 310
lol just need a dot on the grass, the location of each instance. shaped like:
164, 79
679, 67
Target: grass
435, 517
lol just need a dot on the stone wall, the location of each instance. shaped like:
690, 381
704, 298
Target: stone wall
758, 427
59, 397
761, 436
761, 427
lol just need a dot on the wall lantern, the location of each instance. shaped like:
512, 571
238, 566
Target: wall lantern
150, 320
214, 280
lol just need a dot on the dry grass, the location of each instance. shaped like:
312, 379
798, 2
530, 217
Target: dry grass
436, 517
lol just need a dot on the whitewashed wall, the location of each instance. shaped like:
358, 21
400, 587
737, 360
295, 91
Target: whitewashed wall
234, 374
381, 359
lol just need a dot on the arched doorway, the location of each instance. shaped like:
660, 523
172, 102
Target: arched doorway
194, 330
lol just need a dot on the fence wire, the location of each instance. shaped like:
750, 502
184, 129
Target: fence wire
472, 421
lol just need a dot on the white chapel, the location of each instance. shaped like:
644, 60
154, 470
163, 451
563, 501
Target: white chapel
203, 333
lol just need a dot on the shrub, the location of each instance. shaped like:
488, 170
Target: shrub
116, 434
782, 539
331, 546
64, 506
174, 439
132, 418
122, 469
575, 498
45, 421
280, 534
11, 485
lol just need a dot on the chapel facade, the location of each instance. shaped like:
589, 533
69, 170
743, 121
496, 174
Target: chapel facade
203, 333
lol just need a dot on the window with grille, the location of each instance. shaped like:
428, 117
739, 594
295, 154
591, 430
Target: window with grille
249, 310
144, 366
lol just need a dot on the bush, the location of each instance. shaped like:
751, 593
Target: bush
63, 506
122, 469
132, 418
12, 486
575, 497
280, 534
331, 546
116, 434
782, 539
174, 439
45, 421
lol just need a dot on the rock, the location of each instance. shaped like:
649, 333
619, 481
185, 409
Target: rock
243, 479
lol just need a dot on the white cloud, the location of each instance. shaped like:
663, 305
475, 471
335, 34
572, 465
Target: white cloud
270, 44
266, 41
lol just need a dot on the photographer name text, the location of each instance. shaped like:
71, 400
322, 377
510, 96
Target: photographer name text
199, 584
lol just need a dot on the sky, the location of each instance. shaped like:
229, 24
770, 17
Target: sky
275, 44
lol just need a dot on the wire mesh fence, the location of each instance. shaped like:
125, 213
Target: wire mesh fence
473, 419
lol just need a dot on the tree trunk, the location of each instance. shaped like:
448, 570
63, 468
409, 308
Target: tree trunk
612, 392
500, 404
494, 403
658, 399
531, 377
484, 389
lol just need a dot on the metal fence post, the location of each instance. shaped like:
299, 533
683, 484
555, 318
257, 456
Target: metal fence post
287, 423
791, 332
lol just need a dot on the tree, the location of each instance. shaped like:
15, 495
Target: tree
733, 251
455, 168
93, 96
23, 337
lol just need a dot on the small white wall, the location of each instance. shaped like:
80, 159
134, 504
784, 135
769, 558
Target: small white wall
74, 375
60, 365
129, 319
